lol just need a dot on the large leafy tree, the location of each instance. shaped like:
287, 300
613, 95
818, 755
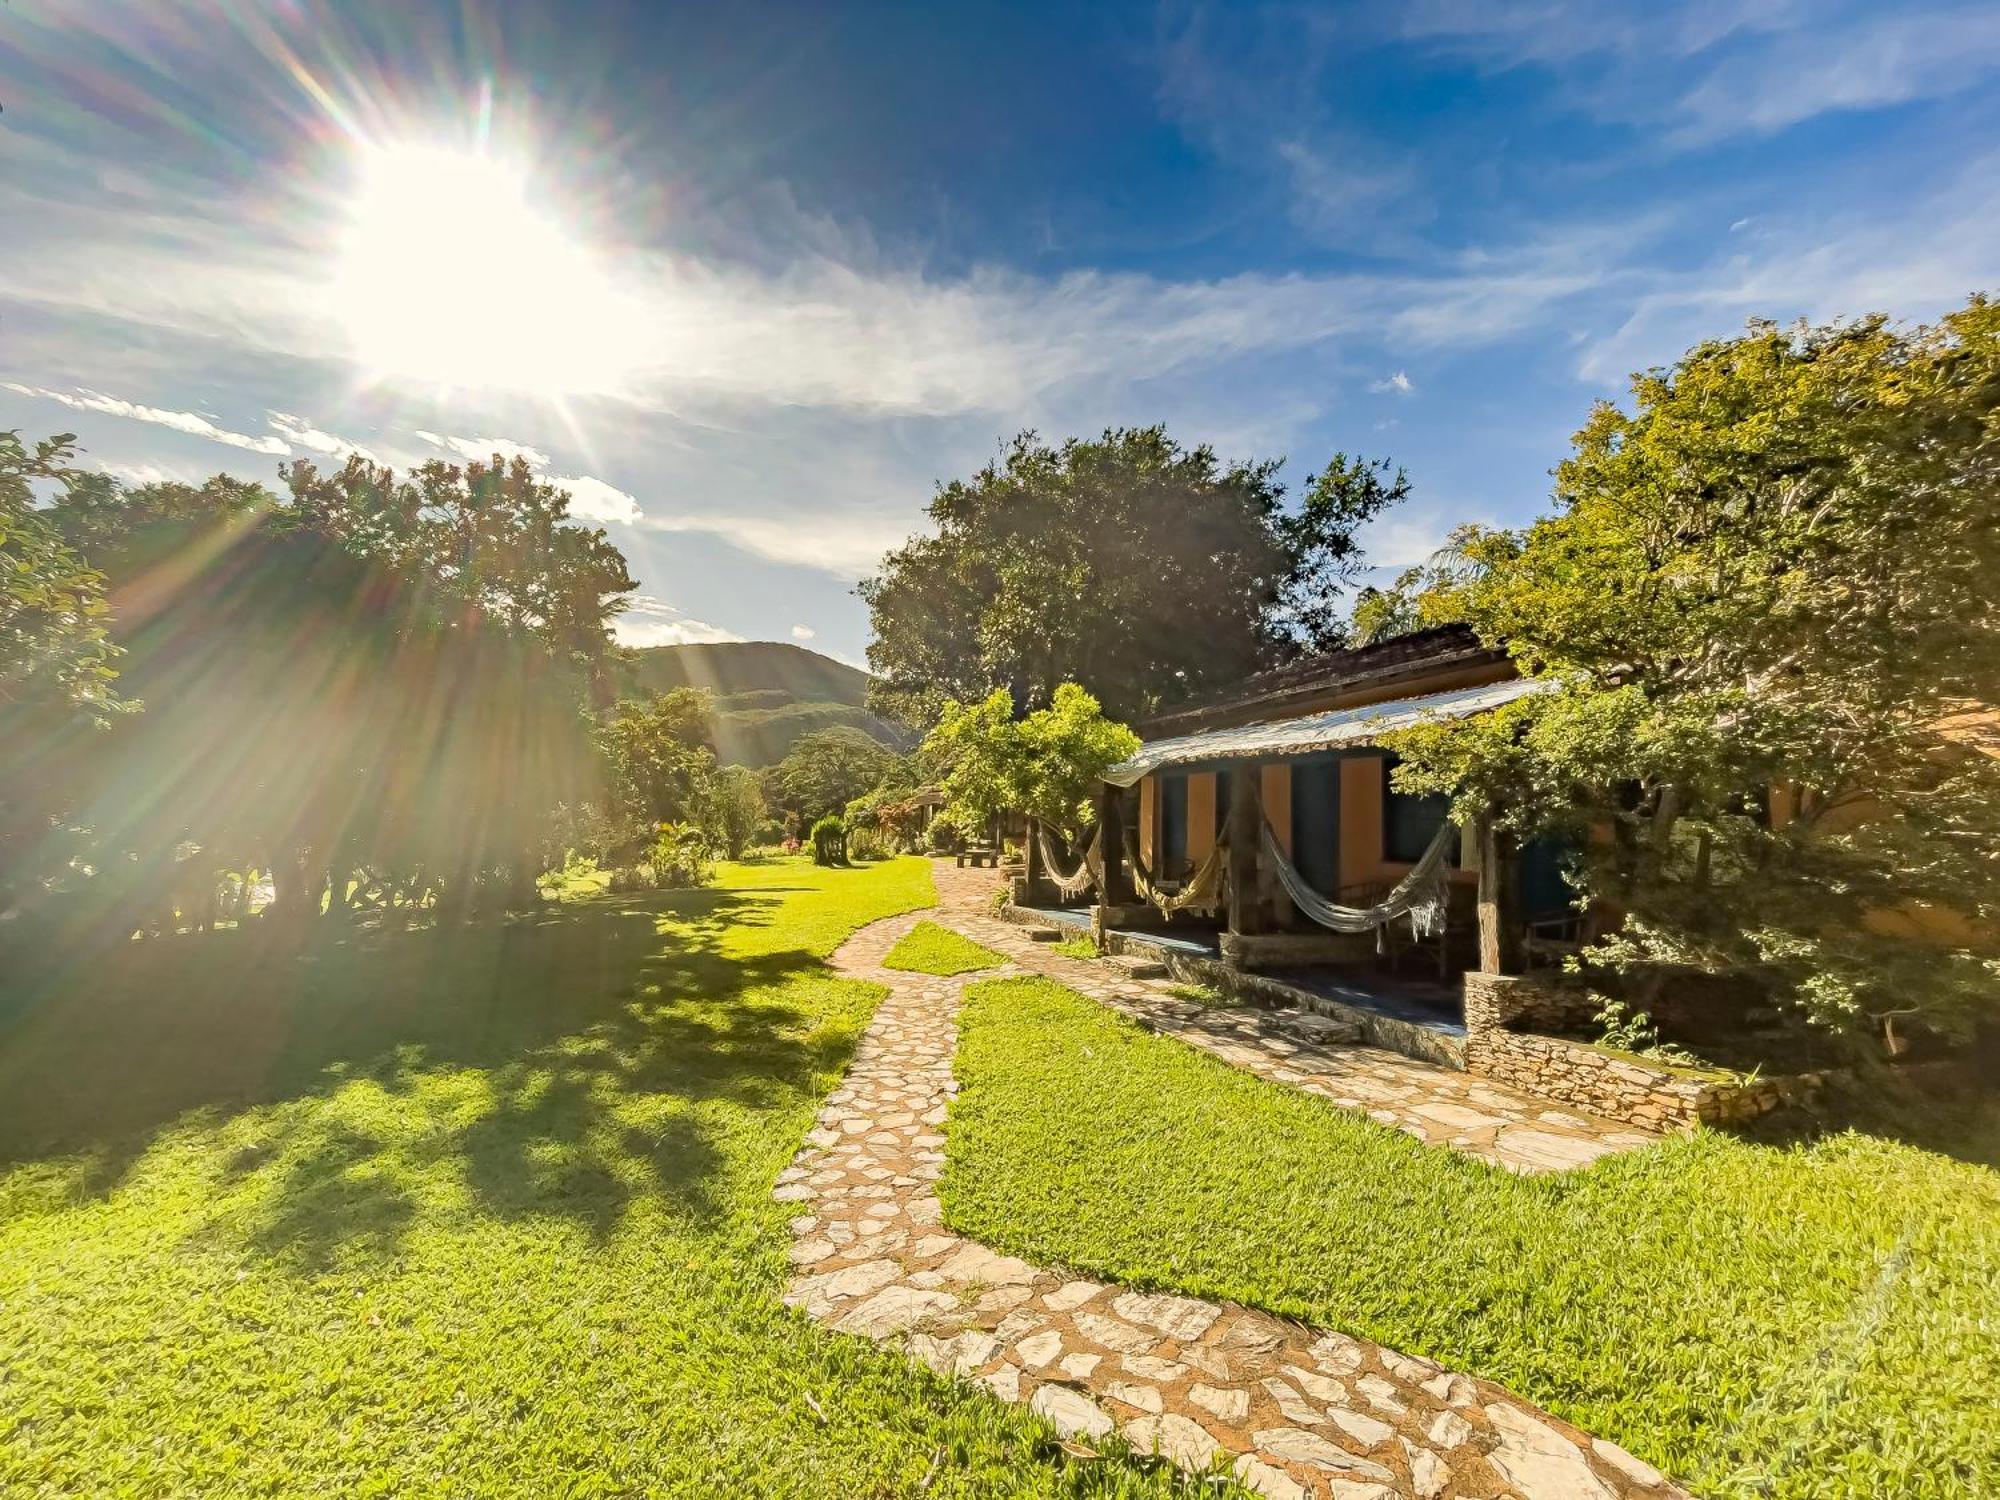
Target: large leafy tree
661, 754
826, 770
326, 703
1047, 763
1779, 570
1150, 571
57, 661
494, 541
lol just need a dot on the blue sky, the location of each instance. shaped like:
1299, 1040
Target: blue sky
752, 278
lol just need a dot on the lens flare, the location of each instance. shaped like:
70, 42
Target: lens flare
447, 272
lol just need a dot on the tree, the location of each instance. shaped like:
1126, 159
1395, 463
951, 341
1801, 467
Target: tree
493, 539
735, 808
827, 769
661, 754
1154, 572
1781, 570
57, 661
1048, 764
323, 706
1426, 594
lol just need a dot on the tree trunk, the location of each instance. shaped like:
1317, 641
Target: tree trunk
1499, 909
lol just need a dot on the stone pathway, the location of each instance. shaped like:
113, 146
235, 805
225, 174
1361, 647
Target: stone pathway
1438, 1105
1296, 1412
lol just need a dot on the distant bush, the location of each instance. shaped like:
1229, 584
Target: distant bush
681, 859
943, 837
829, 842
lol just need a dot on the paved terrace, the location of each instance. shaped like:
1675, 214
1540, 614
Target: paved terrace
1295, 1411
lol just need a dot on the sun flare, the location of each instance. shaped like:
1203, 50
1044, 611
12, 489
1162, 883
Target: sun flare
448, 272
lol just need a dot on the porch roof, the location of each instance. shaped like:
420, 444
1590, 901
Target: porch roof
1335, 729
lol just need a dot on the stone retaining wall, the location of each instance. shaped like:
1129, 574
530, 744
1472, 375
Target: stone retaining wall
1500, 1008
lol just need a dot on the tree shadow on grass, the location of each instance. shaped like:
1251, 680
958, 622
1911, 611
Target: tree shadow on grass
557, 1066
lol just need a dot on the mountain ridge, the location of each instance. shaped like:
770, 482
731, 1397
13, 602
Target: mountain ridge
768, 694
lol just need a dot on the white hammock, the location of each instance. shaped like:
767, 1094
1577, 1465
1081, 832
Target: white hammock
1088, 872
1202, 888
1420, 895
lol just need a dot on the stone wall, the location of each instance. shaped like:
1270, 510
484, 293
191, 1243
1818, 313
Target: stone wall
1603, 1083
1524, 1002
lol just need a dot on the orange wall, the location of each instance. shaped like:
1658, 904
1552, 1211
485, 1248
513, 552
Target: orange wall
1360, 820
1201, 817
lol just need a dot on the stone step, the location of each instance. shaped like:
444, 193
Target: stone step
1140, 968
1321, 1031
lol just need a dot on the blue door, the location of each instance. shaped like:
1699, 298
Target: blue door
1316, 823
1173, 827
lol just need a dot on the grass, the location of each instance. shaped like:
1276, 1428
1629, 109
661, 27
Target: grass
1076, 947
930, 949
1806, 1321
480, 1210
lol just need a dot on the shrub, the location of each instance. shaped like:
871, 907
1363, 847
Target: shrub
943, 837
681, 858
829, 842
869, 843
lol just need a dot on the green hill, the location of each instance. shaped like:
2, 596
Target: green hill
767, 694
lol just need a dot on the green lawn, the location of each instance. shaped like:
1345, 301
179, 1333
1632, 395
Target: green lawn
1800, 1322
930, 949
481, 1211
1076, 947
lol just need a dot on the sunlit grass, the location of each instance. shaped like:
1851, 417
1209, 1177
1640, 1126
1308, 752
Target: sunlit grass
480, 1210
930, 949
1075, 947
1813, 1321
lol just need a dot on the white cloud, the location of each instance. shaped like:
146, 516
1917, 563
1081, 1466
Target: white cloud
302, 434
847, 545
482, 449
803, 632
191, 423
591, 499
1398, 382
670, 633
651, 621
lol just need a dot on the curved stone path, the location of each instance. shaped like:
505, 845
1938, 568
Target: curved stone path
1297, 1412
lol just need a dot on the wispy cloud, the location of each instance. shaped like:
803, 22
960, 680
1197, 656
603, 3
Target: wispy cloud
649, 621
803, 632
483, 449
191, 423
847, 545
1716, 69
1399, 383
302, 434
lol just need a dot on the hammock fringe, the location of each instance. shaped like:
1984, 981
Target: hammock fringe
1088, 872
1419, 895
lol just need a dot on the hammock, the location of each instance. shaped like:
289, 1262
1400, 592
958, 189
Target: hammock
1420, 895
1203, 887
1089, 870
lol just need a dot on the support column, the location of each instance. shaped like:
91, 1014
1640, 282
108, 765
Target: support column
1246, 852
1111, 818
1031, 863
1499, 902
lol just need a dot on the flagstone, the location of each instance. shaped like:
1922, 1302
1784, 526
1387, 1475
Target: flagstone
872, 1257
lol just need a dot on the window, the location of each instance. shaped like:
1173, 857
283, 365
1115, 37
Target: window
1409, 823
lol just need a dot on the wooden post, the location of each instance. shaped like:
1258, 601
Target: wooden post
1111, 819
1031, 862
1499, 904
1246, 853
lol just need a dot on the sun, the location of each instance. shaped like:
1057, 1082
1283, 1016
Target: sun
446, 272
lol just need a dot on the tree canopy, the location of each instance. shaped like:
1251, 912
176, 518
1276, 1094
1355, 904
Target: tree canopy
1151, 572
1779, 570
368, 681
1047, 764
826, 770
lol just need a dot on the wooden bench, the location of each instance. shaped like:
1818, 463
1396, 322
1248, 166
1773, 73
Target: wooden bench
978, 857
